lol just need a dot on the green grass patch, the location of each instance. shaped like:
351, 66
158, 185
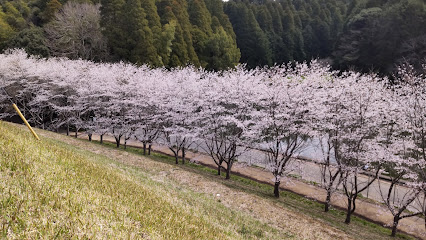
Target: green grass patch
51, 190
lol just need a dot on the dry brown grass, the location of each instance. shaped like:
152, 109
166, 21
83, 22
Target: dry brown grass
49, 190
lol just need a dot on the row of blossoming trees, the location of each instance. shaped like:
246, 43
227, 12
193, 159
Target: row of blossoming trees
360, 120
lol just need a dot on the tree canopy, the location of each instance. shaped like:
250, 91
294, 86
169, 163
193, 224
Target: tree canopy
362, 34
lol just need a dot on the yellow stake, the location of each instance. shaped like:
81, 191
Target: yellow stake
25, 121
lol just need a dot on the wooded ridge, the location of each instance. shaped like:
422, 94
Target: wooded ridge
368, 35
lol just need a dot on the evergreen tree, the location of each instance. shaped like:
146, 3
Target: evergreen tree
216, 9
358, 45
254, 45
13, 16
288, 32
165, 41
178, 45
154, 23
221, 52
52, 7
367, 34
379, 38
138, 35
183, 52
112, 23
201, 30
31, 39
280, 51
6, 31
199, 16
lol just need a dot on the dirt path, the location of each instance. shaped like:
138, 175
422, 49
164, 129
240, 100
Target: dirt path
299, 225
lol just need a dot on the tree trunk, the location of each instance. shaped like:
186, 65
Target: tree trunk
76, 132
277, 189
177, 158
183, 155
117, 141
395, 225
218, 170
349, 212
125, 143
90, 137
102, 138
68, 129
327, 201
228, 173
144, 148
149, 149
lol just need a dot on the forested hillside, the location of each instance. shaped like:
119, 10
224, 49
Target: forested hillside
364, 34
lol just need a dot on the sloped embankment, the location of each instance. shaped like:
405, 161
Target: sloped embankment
50, 189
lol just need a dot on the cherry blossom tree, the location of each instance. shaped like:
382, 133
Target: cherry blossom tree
411, 91
326, 104
283, 122
19, 86
401, 191
224, 116
120, 110
99, 91
180, 100
362, 114
147, 127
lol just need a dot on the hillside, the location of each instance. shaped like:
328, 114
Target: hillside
53, 190
62, 188
365, 35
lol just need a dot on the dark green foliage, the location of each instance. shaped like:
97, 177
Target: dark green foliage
13, 15
384, 35
138, 35
362, 34
6, 31
32, 40
294, 30
215, 47
221, 52
154, 23
201, 30
183, 51
129, 36
52, 7
252, 41
165, 42
199, 16
112, 22
358, 44
216, 9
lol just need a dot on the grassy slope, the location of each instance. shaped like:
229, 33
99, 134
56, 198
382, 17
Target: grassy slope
50, 189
